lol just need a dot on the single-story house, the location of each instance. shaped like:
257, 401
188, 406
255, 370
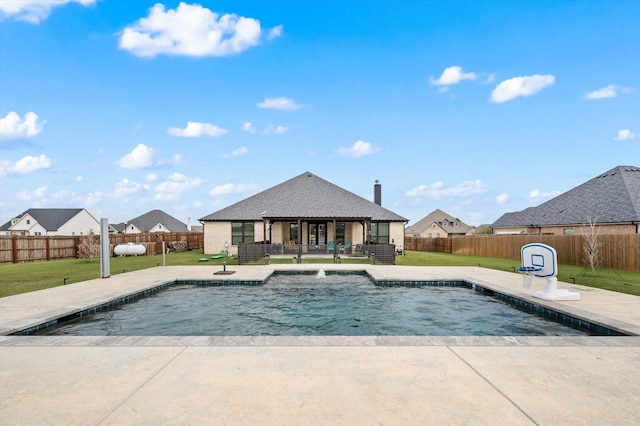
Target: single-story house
305, 210
438, 224
611, 200
153, 221
67, 222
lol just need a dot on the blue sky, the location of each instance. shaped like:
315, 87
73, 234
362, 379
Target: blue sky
476, 108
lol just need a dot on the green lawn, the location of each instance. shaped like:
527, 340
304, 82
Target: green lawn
24, 277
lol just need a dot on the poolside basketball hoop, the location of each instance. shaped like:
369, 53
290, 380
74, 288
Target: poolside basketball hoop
540, 260
528, 272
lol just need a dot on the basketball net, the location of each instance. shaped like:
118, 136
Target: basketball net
527, 273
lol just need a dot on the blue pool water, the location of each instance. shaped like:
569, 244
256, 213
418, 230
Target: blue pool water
294, 305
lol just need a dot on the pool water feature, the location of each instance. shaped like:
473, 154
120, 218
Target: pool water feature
306, 305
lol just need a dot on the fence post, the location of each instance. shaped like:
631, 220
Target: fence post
14, 248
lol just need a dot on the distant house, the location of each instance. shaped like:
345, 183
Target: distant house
153, 221
52, 222
305, 210
611, 200
438, 224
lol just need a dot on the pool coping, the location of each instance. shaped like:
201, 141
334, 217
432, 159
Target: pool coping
262, 274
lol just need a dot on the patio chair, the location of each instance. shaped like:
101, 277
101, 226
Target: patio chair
346, 248
331, 246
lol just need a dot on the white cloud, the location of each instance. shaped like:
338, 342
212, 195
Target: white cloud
38, 194
190, 30
33, 11
93, 198
625, 134
247, 126
152, 177
26, 165
278, 130
358, 149
127, 187
79, 178
275, 32
141, 157
536, 194
610, 91
229, 188
520, 86
606, 92
439, 190
283, 104
502, 198
452, 75
198, 130
14, 127
176, 184
41, 196
236, 152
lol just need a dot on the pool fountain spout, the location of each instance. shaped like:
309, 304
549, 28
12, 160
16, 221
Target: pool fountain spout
321, 274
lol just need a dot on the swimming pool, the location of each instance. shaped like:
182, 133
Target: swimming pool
309, 305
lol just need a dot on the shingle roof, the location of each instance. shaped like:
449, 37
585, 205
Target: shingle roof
304, 196
612, 197
49, 219
150, 219
438, 216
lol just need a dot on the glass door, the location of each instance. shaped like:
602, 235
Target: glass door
317, 236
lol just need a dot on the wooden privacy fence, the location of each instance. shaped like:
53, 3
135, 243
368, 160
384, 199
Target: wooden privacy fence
616, 251
14, 249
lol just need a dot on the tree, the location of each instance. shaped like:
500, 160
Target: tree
89, 246
591, 245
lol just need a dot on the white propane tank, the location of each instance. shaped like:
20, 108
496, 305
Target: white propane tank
129, 249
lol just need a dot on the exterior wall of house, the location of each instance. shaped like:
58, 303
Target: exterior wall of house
159, 228
621, 228
27, 225
131, 229
396, 233
434, 231
277, 232
353, 233
216, 236
80, 224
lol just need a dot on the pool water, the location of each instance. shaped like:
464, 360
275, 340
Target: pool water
295, 305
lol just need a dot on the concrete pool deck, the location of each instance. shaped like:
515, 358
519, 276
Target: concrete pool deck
317, 380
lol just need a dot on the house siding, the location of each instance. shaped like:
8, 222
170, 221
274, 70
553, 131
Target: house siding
579, 229
80, 224
217, 237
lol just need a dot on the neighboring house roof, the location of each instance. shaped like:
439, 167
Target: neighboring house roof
119, 227
305, 196
147, 221
450, 224
612, 197
49, 219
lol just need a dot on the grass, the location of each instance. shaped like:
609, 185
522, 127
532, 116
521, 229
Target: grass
25, 277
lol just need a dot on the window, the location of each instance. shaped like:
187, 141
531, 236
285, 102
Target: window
438, 235
293, 231
339, 237
28, 221
430, 235
380, 232
242, 232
